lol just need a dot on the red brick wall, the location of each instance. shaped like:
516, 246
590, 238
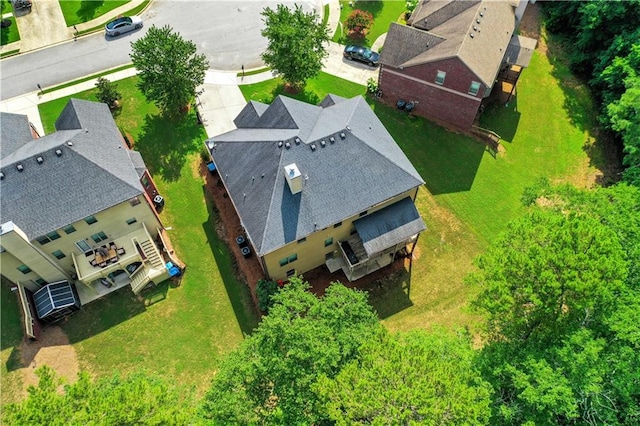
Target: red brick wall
453, 106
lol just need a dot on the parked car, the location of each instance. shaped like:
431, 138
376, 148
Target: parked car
122, 25
362, 54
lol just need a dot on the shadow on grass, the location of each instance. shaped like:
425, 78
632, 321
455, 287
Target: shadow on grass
391, 294
165, 143
502, 117
11, 332
88, 9
448, 162
101, 315
238, 292
373, 7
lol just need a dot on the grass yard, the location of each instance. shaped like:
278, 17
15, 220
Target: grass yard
384, 13
180, 332
78, 12
10, 338
11, 33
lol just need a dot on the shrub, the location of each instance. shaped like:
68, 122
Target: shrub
107, 92
264, 291
358, 23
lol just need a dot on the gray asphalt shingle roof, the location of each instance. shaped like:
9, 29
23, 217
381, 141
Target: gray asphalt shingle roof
451, 24
341, 178
93, 172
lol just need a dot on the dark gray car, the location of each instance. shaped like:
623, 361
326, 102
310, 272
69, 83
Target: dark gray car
362, 54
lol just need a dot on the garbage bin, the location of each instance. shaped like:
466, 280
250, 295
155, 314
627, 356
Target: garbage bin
241, 241
246, 252
158, 200
400, 104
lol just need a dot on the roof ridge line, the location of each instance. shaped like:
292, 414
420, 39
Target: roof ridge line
269, 210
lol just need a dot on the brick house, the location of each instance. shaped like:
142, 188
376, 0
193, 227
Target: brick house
69, 194
451, 55
318, 185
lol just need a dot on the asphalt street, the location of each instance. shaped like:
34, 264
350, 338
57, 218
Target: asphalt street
227, 32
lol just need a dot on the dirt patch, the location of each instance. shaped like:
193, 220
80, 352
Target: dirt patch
52, 349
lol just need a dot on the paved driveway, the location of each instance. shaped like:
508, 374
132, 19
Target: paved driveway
43, 26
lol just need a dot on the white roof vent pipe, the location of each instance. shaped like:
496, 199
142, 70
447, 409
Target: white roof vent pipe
294, 178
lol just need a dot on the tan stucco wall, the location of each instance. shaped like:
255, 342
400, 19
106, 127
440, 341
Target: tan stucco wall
37, 256
312, 252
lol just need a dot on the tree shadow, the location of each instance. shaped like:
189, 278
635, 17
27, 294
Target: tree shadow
165, 143
372, 6
501, 116
88, 9
391, 294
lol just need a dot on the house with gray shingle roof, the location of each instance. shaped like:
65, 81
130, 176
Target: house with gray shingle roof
67, 194
450, 56
318, 185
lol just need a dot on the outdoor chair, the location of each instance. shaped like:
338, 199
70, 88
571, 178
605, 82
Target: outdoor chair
121, 251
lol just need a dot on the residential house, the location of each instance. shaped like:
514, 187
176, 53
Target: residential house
451, 55
318, 185
66, 195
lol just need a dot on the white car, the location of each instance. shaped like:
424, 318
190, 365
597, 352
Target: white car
122, 25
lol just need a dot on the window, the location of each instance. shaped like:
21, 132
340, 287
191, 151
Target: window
24, 269
131, 221
364, 213
475, 88
134, 201
302, 240
293, 257
59, 254
100, 236
40, 282
90, 220
69, 229
83, 246
145, 181
284, 261
440, 77
291, 272
328, 242
337, 225
43, 240
53, 235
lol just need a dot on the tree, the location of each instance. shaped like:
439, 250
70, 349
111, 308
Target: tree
549, 272
358, 23
296, 43
270, 378
411, 378
136, 399
169, 68
107, 92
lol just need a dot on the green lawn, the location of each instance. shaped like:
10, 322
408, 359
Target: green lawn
180, 332
10, 338
384, 13
9, 34
78, 12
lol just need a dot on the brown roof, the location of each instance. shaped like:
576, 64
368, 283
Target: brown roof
477, 32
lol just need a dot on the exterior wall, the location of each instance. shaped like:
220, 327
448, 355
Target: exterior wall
450, 102
111, 221
312, 252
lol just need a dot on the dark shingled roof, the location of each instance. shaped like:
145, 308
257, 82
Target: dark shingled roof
14, 132
341, 178
520, 50
94, 171
450, 25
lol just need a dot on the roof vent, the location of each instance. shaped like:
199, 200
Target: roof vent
287, 145
323, 143
86, 130
471, 35
59, 152
475, 28
211, 144
342, 135
69, 143
40, 160
280, 144
478, 21
481, 14
332, 139
297, 141
19, 167
1, 175
313, 147
348, 128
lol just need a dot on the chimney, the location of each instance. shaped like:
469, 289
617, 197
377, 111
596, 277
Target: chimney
294, 178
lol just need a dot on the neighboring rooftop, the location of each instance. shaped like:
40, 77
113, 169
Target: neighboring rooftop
347, 160
477, 32
79, 170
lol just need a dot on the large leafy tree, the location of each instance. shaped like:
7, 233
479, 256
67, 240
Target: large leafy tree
271, 377
137, 399
296, 43
412, 378
579, 255
169, 68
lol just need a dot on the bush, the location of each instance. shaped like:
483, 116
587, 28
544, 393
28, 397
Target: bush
372, 85
358, 23
264, 291
107, 92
